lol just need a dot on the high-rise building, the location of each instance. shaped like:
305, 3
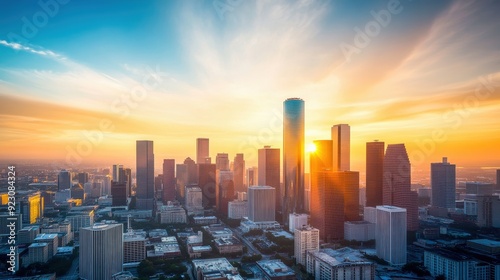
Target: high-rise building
327, 204
207, 183
239, 173
192, 171
297, 221
252, 176
83, 177
269, 171
390, 234
145, 175
341, 137
261, 203
193, 200
443, 184
127, 174
134, 247
224, 191
349, 180
222, 161
498, 179
306, 239
293, 157
31, 207
168, 180
117, 173
322, 158
397, 183
101, 251
181, 177
119, 193
374, 173
64, 180
202, 150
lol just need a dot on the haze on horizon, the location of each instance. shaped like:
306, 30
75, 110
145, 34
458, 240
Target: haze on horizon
173, 71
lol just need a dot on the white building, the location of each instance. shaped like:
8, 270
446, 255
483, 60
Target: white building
342, 264
219, 268
51, 239
456, 266
193, 200
306, 239
261, 203
390, 234
359, 231
37, 252
101, 250
237, 209
247, 225
297, 221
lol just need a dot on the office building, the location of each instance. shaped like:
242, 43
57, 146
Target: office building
64, 180
327, 205
83, 177
239, 173
390, 234
252, 176
52, 241
397, 183
119, 193
261, 202
37, 252
27, 234
341, 138
341, 264
306, 239
193, 200
237, 209
169, 182
145, 175
101, 250
443, 184
374, 173
31, 207
192, 171
458, 265
202, 150
498, 179
171, 214
269, 171
293, 157
80, 217
207, 183
359, 231
181, 177
488, 211
224, 191
117, 173
479, 188
222, 161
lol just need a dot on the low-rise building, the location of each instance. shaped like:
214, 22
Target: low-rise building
248, 225
172, 214
229, 245
218, 231
51, 239
166, 249
237, 209
276, 270
215, 269
37, 252
198, 251
341, 264
209, 220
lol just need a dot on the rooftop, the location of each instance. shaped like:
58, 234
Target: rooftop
46, 236
36, 245
390, 208
275, 268
485, 242
344, 256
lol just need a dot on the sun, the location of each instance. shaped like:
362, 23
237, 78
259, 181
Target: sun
311, 148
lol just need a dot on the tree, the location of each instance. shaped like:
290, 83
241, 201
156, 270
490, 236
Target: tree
146, 268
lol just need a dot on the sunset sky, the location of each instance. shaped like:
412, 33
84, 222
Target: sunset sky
91, 78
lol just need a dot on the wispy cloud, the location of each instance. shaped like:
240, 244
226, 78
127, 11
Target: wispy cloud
32, 49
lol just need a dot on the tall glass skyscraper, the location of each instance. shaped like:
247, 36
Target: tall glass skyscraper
145, 175
443, 184
293, 157
374, 173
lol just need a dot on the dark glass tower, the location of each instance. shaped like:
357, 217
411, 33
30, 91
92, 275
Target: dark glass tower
374, 173
293, 157
145, 175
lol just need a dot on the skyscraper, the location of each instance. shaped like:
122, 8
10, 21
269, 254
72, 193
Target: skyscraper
239, 172
116, 172
293, 157
168, 180
202, 150
498, 179
64, 180
222, 161
261, 203
397, 183
269, 171
192, 171
443, 184
390, 234
224, 191
322, 158
374, 173
181, 175
341, 137
119, 193
101, 251
327, 205
252, 176
145, 175
127, 174
207, 183
83, 177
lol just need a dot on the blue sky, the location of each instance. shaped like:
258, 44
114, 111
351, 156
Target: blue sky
226, 66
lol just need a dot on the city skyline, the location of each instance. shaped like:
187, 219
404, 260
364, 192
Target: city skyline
400, 87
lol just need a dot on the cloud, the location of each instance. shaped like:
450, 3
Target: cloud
35, 50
